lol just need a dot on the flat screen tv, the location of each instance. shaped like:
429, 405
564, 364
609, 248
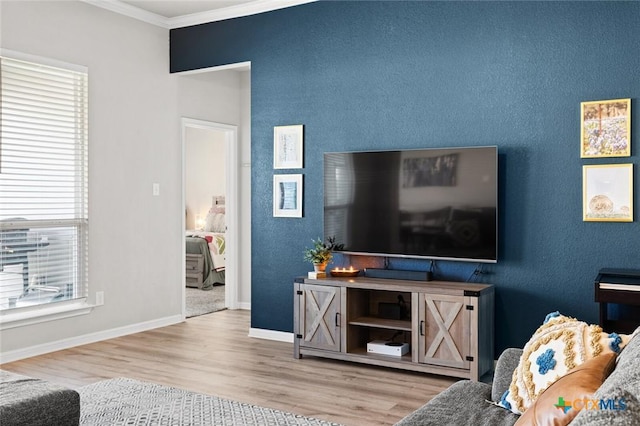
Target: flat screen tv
419, 203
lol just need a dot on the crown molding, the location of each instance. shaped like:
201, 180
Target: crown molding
245, 9
131, 11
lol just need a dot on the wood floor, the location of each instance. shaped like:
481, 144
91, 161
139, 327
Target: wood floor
212, 354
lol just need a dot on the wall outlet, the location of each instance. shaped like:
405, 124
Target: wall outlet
99, 298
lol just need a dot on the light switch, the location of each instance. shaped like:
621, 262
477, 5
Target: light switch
156, 189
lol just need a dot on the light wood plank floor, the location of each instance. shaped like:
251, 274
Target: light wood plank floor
212, 354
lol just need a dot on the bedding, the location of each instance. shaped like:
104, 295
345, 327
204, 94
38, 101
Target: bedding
210, 276
211, 243
216, 242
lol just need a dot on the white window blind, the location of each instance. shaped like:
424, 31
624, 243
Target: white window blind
43, 181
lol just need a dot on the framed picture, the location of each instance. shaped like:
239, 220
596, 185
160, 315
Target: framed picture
287, 147
287, 196
607, 193
605, 129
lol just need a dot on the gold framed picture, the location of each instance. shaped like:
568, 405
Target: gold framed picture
605, 129
607, 193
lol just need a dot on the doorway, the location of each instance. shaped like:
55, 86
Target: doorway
225, 137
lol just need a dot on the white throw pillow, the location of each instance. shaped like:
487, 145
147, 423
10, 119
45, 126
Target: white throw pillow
215, 223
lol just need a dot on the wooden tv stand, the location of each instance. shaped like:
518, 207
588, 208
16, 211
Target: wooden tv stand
448, 325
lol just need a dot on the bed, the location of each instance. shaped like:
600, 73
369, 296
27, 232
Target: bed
205, 249
202, 272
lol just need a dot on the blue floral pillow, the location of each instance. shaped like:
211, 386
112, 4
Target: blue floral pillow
559, 345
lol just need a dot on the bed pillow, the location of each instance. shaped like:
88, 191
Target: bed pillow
215, 222
558, 346
217, 209
208, 222
561, 402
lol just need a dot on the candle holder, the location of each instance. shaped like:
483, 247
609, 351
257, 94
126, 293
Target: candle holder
344, 272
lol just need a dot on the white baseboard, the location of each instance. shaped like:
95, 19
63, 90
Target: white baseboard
71, 342
280, 336
245, 306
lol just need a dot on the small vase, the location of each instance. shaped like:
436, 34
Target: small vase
319, 267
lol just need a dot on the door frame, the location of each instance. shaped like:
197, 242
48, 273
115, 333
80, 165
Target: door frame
231, 203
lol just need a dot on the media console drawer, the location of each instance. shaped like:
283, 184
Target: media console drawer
447, 325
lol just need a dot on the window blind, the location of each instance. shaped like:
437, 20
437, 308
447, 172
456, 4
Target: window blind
43, 181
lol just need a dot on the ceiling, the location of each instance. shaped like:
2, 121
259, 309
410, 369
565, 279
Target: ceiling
183, 13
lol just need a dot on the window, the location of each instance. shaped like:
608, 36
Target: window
43, 181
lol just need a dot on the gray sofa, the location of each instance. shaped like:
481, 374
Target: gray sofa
25, 401
469, 403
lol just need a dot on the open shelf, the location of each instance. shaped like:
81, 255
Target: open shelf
401, 325
363, 352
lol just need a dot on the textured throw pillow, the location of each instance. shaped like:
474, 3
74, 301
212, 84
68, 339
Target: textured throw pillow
215, 222
217, 209
561, 402
208, 222
219, 224
557, 347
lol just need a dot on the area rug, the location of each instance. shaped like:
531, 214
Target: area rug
125, 401
200, 302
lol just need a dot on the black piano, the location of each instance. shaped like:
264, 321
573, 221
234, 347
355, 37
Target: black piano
620, 287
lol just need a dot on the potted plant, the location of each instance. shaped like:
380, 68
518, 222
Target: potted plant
321, 253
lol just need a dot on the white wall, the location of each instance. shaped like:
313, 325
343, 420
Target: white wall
134, 139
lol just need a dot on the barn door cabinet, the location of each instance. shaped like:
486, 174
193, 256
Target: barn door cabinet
448, 325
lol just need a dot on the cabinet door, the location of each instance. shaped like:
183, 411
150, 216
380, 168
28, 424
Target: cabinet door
444, 330
319, 317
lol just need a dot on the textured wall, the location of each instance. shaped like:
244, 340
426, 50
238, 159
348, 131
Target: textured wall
378, 75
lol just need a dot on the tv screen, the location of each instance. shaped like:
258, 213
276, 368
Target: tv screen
418, 203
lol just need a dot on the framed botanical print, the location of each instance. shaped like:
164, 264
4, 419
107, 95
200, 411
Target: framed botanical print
605, 128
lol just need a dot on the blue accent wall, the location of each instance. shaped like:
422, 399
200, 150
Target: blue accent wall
389, 75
